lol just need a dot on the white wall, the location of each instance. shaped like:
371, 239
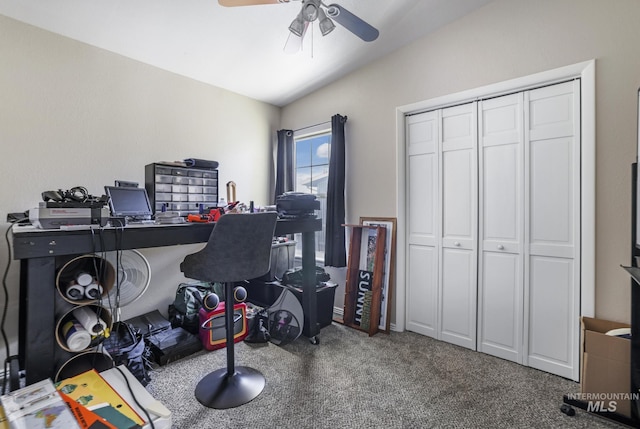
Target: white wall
74, 115
504, 40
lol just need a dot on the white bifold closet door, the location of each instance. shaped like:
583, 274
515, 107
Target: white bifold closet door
529, 228
501, 220
493, 226
459, 238
442, 229
423, 161
552, 235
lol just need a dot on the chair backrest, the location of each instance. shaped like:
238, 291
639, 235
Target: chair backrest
239, 248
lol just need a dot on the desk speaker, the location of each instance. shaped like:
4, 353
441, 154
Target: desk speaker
214, 335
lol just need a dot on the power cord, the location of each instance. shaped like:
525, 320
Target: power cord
5, 306
114, 307
101, 270
126, 380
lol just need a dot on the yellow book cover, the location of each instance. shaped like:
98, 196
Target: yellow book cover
3, 419
90, 389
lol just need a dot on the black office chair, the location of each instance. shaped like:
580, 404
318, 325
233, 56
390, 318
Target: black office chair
239, 248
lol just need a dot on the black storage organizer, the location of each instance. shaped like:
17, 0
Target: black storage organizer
181, 189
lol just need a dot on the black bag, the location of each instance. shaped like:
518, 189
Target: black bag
297, 205
260, 328
183, 312
127, 347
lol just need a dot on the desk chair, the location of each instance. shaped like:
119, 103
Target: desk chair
239, 248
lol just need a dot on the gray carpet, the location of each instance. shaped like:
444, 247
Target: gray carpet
351, 380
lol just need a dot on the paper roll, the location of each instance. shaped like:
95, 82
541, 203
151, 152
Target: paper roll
84, 279
90, 320
75, 292
76, 337
93, 291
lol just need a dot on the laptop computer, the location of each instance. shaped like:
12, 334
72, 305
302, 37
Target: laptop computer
131, 203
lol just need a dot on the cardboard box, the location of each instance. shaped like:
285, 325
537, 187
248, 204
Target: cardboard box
605, 363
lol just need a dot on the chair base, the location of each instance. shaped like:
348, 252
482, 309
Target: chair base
221, 391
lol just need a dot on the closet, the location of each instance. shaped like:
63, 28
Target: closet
493, 225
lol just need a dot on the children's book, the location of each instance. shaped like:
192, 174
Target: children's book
85, 417
38, 406
90, 389
113, 416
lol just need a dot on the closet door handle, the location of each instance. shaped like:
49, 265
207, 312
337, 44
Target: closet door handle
500, 247
457, 244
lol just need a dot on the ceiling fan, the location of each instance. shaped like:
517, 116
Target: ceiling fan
313, 10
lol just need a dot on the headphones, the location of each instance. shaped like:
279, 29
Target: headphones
78, 194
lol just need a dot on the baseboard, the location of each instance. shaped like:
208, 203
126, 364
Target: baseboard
338, 315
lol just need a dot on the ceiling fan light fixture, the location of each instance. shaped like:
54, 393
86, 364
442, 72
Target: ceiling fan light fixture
297, 25
326, 24
310, 11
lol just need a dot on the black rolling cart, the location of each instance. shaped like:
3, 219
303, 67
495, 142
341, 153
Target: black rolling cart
634, 271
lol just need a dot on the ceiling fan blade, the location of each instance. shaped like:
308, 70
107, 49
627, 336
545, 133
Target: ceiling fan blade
294, 43
232, 3
352, 23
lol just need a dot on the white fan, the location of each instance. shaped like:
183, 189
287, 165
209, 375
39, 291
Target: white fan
133, 275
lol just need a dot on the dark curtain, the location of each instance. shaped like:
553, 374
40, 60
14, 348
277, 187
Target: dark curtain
335, 253
284, 163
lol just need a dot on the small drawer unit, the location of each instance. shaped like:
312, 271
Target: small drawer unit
181, 189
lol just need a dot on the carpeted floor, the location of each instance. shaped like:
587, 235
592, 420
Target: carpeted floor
351, 380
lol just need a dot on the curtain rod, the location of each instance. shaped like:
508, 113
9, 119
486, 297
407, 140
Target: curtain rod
312, 126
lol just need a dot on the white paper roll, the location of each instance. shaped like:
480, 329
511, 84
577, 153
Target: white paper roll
84, 279
75, 292
89, 320
76, 337
93, 291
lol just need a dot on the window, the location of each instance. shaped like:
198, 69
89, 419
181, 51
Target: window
311, 172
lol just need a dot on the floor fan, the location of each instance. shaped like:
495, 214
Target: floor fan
133, 275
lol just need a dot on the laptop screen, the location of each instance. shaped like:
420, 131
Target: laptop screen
131, 203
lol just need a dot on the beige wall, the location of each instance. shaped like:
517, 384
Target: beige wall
504, 40
74, 115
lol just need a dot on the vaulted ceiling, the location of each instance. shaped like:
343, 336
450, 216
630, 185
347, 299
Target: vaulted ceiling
239, 48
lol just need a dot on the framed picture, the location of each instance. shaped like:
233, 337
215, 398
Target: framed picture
365, 275
388, 283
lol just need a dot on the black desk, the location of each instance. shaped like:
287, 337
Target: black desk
37, 249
